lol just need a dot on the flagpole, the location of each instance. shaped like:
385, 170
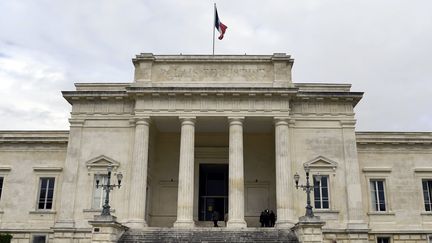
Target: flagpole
213, 25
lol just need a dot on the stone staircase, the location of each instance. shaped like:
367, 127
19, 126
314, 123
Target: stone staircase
209, 235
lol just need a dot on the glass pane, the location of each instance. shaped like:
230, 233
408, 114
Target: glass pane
373, 196
39, 239
325, 204
324, 181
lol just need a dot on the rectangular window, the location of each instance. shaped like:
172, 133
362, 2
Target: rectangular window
1, 186
39, 239
46, 193
427, 186
378, 195
383, 239
99, 193
321, 192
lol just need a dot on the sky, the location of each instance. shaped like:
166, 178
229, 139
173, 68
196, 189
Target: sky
381, 47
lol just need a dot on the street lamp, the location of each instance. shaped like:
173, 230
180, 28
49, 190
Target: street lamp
108, 187
307, 188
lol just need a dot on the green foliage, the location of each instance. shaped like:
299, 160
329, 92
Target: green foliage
5, 238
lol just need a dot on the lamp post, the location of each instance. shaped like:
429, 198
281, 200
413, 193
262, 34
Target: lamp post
108, 187
307, 188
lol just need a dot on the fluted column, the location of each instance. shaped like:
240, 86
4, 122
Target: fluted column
186, 174
236, 174
138, 185
284, 180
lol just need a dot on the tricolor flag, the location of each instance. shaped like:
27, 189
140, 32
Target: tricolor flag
219, 26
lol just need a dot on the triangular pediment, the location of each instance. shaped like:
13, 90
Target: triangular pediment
321, 162
102, 162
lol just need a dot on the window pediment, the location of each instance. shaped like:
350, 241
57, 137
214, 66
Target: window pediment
321, 162
101, 163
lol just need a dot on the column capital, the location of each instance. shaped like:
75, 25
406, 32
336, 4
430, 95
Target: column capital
187, 120
281, 120
142, 120
236, 120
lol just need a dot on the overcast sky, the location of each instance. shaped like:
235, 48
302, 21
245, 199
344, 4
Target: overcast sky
381, 47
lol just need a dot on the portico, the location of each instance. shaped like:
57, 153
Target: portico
243, 144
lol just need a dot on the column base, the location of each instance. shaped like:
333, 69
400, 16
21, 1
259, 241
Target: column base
236, 224
186, 224
284, 224
136, 224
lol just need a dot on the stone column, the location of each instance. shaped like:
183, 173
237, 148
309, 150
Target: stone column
284, 180
70, 171
236, 174
138, 185
186, 175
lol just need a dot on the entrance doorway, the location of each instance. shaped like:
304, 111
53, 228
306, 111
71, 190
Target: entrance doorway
213, 191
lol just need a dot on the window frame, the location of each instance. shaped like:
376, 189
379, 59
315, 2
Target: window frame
45, 200
1, 185
102, 192
46, 172
384, 236
374, 207
320, 188
429, 194
39, 235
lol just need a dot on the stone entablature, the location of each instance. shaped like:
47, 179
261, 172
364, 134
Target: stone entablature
221, 70
15, 137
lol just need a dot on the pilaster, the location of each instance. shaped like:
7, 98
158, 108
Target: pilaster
66, 219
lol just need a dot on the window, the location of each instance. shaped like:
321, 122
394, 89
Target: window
427, 187
378, 195
1, 186
46, 193
321, 192
39, 239
383, 239
99, 193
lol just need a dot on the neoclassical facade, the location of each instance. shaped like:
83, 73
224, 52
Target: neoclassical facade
194, 134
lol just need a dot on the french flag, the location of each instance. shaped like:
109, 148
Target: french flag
219, 26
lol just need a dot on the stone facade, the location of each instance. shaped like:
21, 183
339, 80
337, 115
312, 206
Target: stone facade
184, 111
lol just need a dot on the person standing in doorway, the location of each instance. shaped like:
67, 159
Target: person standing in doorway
272, 217
215, 218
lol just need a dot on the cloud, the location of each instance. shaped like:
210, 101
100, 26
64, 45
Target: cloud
381, 47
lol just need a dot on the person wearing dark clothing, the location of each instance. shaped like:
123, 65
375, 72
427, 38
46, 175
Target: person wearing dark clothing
262, 219
272, 217
266, 218
215, 218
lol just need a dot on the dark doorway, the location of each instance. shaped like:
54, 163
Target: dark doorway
213, 191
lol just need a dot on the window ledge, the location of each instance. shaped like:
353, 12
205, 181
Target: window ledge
42, 212
324, 211
385, 213
427, 213
96, 210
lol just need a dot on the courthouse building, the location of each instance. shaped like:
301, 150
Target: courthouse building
193, 134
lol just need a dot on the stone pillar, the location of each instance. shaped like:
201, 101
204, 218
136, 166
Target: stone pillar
106, 229
138, 185
309, 230
185, 197
284, 180
355, 210
68, 195
236, 174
